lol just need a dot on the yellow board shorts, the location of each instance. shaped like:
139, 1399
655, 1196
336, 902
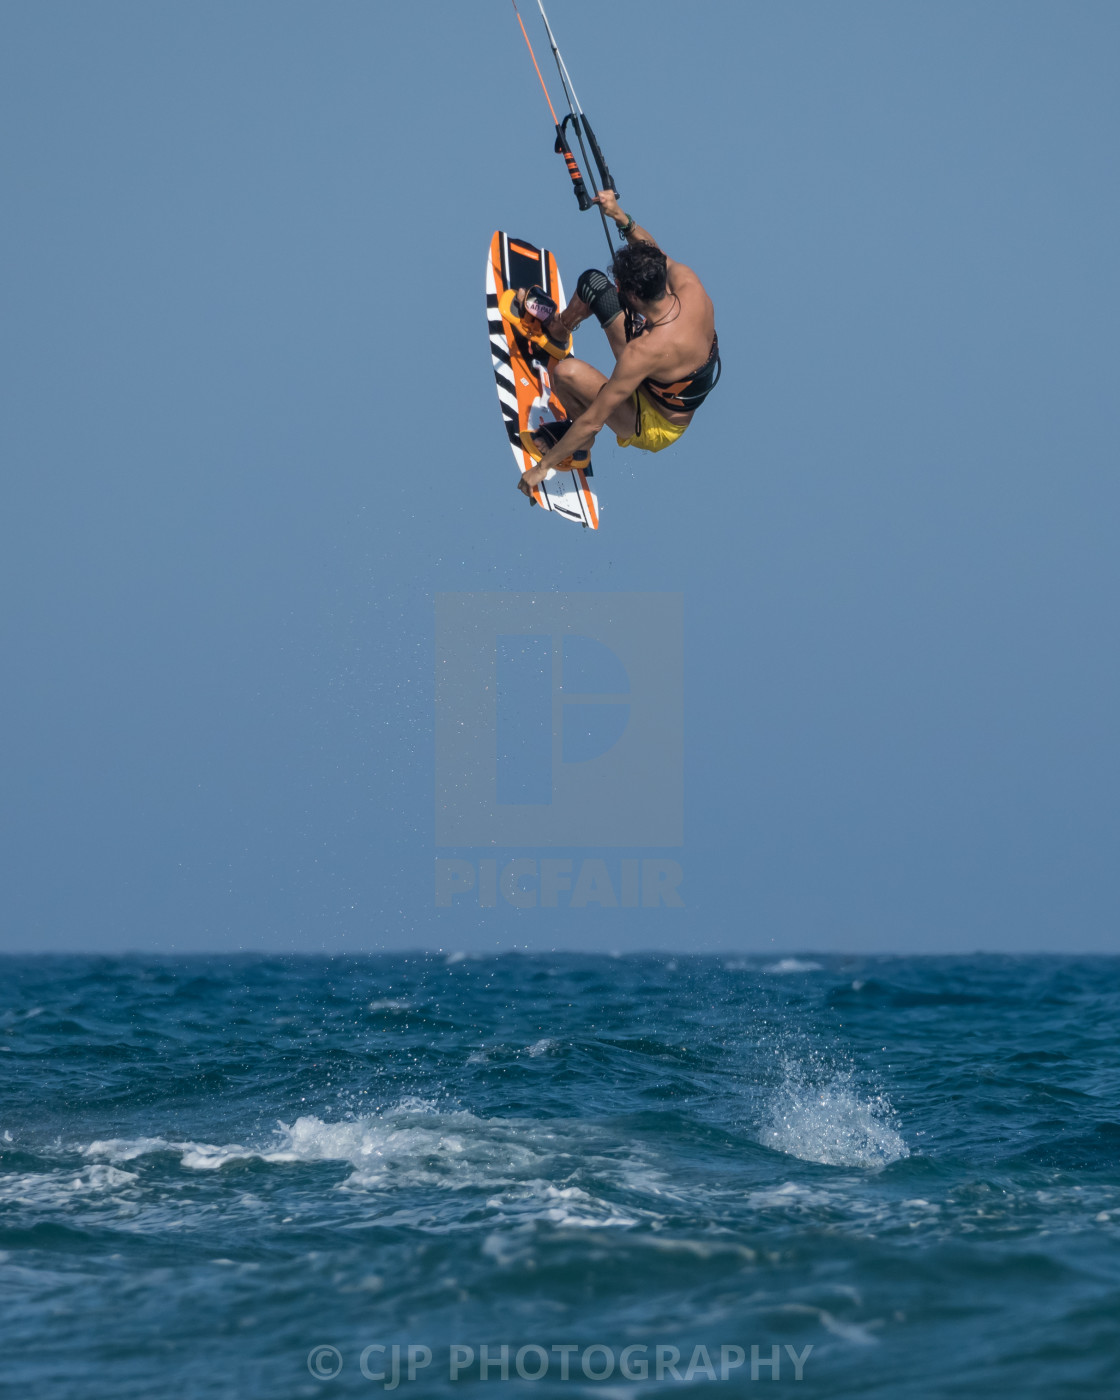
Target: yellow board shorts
654, 430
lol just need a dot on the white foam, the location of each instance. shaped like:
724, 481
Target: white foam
831, 1123
125, 1149
525, 1165
788, 1196
58, 1188
793, 965
569, 1207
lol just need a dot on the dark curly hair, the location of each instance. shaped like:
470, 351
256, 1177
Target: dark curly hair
641, 271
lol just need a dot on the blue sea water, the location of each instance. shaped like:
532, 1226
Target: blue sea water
216, 1170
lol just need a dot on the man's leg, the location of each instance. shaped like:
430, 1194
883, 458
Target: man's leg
596, 295
578, 383
577, 311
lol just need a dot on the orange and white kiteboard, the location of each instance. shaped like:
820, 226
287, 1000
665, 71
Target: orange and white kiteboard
521, 371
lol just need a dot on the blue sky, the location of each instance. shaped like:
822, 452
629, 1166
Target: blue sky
250, 433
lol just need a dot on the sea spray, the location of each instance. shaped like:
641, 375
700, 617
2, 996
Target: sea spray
821, 1112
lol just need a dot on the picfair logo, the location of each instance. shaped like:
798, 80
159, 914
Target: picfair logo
559, 719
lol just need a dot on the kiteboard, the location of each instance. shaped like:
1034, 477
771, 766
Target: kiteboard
526, 395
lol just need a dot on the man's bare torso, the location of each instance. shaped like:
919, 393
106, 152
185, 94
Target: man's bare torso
681, 340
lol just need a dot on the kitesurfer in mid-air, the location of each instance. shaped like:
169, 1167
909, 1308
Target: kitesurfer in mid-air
660, 324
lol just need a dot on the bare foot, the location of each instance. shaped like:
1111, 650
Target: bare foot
574, 314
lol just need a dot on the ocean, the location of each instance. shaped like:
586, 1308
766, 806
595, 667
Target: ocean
559, 1175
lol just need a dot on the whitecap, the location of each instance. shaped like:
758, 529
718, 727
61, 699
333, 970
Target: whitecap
528, 1169
58, 1187
125, 1149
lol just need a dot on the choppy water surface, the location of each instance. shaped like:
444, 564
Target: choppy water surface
210, 1168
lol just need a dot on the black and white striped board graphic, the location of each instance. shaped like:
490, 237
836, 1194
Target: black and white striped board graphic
515, 365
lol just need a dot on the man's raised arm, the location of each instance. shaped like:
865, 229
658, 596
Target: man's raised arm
631, 231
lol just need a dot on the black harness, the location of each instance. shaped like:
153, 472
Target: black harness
679, 395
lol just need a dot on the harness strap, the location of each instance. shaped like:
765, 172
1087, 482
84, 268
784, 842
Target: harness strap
687, 394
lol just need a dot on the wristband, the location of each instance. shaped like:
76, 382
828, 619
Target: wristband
624, 229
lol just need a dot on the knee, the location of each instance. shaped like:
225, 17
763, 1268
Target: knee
562, 371
597, 291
